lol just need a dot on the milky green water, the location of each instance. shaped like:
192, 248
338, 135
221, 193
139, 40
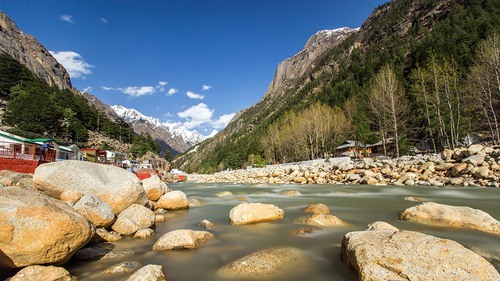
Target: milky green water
356, 205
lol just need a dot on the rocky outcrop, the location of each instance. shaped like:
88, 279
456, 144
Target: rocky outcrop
117, 187
28, 51
37, 229
451, 216
388, 254
182, 239
264, 264
249, 213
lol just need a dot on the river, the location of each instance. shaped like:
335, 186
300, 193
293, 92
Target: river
356, 205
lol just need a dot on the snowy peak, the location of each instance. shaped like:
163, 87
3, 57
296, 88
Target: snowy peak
337, 34
178, 137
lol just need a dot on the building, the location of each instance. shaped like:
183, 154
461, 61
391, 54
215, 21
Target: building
352, 149
94, 155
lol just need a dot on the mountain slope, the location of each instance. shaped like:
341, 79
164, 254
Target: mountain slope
403, 33
170, 136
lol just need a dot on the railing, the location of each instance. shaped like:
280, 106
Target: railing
14, 151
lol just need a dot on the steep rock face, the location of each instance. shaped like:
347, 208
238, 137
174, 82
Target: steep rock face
291, 69
171, 136
28, 51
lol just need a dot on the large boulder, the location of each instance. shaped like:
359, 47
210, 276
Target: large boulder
134, 218
264, 264
182, 239
248, 213
323, 220
42, 273
174, 200
95, 210
388, 254
317, 208
451, 216
37, 229
154, 187
117, 187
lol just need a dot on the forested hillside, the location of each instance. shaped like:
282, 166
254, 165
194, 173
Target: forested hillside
425, 70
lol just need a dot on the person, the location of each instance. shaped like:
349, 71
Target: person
43, 150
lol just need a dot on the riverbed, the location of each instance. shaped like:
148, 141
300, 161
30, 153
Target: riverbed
356, 205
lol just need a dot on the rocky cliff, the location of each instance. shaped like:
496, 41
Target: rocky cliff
28, 51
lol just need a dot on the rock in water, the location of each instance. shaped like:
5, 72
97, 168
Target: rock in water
37, 229
318, 208
263, 264
95, 210
174, 200
134, 218
451, 216
150, 272
117, 187
182, 239
248, 213
154, 187
387, 254
42, 273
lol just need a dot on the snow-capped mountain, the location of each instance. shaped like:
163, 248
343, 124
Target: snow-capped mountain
171, 136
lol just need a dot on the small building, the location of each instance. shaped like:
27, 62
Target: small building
94, 155
115, 157
352, 149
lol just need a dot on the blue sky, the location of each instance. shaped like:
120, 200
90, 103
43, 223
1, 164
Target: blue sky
195, 62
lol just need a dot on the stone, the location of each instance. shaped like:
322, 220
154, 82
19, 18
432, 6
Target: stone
42, 273
71, 196
447, 154
444, 166
451, 216
429, 166
109, 236
206, 224
323, 220
291, 193
37, 229
134, 218
160, 218
353, 177
154, 187
299, 180
195, 202
458, 169
95, 210
317, 208
456, 181
144, 233
224, 194
388, 254
11, 178
182, 239
249, 213
265, 264
305, 231
474, 160
117, 187
380, 225
174, 200
474, 149
482, 173
123, 267
101, 251
150, 272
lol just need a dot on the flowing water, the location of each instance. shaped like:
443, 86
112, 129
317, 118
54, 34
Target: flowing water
355, 205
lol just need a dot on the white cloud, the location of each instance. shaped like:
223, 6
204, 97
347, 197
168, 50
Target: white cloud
223, 120
206, 87
168, 114
133, 91
67, 18
172, 91
196, 115
192, 95
88, 89
162, 83
104, 20
73, 62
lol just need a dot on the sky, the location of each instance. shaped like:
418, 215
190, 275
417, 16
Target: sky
192, 62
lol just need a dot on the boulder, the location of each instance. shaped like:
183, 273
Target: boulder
13, 178
482, 173
451, 216
447, 154
380, 225
264, 264
144, 233
388, 254
323, 220
317, 208
101, 251
117, 187
71, 196
108, 236
154, 187
458, 169
474, 149
174, 200
206, 224
37, 229
150, 272
474, 159
123, 267
95, 210
182, 239
42, 273
248, 213
134, 218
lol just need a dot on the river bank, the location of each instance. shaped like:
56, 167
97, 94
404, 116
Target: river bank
476, 165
